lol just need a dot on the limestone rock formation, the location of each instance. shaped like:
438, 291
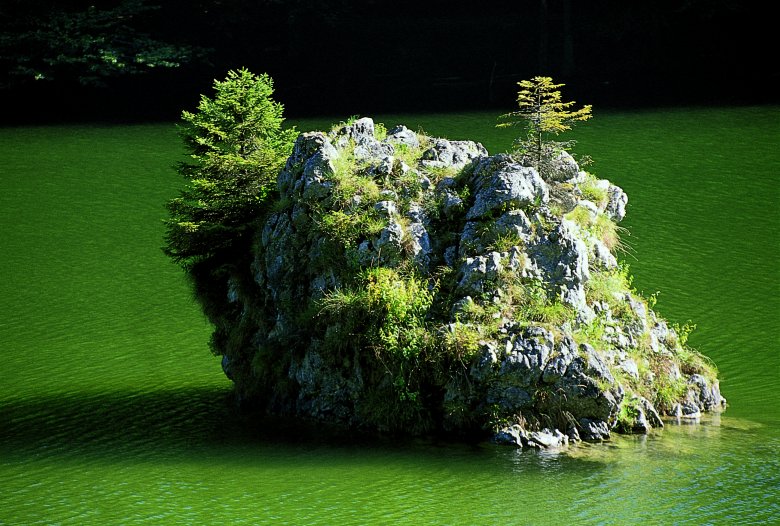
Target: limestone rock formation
415, 284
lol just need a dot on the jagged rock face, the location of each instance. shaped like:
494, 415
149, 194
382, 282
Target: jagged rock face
501, 183
522, 338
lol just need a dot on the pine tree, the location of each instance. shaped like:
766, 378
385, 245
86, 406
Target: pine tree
237, 147
543, 113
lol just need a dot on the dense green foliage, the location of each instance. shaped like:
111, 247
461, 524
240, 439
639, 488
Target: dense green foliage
237, 146
89, 45
385, 314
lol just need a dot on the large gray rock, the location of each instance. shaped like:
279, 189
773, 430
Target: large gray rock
594, 430
389, 246
513, 435
403, 135
562, 258
579, 390
547, 439
361, 133
516, 435
645, 416
313, 154
419, 241
452, 204
456, 154
564, 168
616, 206
506, 185
527, 357
651, 414
325, 392
479, 275
487, 240
705, 394
557, 367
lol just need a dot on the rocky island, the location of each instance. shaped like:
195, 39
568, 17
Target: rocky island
413, 284
386, 280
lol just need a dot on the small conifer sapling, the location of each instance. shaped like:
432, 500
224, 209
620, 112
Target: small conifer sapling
543, 113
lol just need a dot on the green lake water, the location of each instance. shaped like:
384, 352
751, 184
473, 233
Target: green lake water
113, 411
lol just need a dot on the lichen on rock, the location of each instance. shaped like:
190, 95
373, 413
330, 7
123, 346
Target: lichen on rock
415, 284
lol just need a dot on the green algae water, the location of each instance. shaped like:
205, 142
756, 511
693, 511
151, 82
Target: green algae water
113, 411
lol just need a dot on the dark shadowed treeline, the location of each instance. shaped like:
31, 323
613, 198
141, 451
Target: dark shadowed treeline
338, 56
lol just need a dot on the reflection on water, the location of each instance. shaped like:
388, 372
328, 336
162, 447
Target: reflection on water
170, 448
111, 426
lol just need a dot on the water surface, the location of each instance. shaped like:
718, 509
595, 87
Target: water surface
113, 411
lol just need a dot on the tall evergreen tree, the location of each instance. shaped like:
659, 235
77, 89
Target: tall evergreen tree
237, 147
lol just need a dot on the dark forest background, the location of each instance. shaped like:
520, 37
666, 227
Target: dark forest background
336, 57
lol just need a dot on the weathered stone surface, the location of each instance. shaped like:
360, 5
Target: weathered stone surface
312, 155
594, 430
389, 245
564, 168
513, 435
705, 394
629, 367
419, 244
562, 258
579, 390
457, 154
478, 275
558, 365
527, 357
403, 135
490, 247
386, 208
641, 425
323, 391
645, 416
505, 184
686, 410
653, 418
478, 236
361, 133
547, 439
602, 256
452, 204
618, 199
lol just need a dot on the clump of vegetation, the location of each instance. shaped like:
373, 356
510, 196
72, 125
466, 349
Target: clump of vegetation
385, 312
386, 306
599, 225
592, 191
610, 286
